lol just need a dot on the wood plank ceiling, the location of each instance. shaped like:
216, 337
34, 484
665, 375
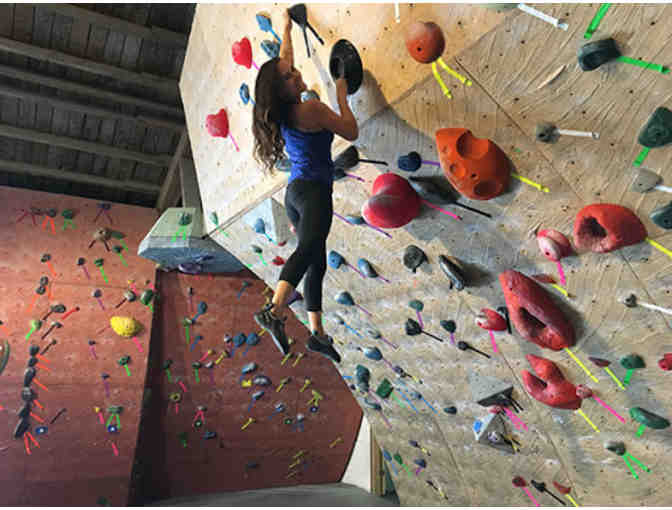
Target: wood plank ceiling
89, 100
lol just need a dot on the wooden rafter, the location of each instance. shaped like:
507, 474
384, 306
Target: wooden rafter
49, 81
87, 109
160, 35
22, 168
83, 64
30, 135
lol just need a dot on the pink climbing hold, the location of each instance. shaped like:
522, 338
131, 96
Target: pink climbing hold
218, 126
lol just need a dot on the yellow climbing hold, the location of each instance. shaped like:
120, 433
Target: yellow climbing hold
125, 326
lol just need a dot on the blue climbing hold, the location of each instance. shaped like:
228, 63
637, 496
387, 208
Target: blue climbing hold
372, 353
335, 259
410, 163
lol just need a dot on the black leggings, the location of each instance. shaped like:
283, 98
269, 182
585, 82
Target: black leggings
310, 208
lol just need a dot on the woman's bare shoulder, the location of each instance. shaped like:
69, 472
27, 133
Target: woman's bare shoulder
307, 116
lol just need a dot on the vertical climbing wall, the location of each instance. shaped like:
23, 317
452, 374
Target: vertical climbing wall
220, 464
75, 462
506, 67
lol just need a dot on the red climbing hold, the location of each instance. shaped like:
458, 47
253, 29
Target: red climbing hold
394, 202
551, 387
491, 320
278, 261
475, 167
666, 362
606, 227
534, 314
218, 124
242, 52
553, 244
424, 41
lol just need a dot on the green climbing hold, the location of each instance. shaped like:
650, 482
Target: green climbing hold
185, 219
68, 214
632, 362
416, 305
648, 418
146, 297
384, 389
214, 218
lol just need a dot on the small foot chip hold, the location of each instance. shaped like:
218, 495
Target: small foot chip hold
552, 77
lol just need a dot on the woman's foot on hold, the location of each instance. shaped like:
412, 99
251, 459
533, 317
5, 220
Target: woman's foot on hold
323, 344
275, 326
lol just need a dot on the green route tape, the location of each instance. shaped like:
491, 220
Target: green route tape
641, 157
596, 20
644, 64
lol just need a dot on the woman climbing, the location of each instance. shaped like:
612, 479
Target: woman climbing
306, 131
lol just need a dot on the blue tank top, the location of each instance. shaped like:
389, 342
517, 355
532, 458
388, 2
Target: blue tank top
310, 154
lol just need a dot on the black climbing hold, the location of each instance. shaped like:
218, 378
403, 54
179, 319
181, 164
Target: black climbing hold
410, 162
28, 376
372, 404
420, 462
413, 257
44, 281
546, 133
658, 129
24, 412
40, 290
34, 349
452, 269
505, 312
27, 394
449, 326
662, 216
450, 410
252, 465
416, 304
21, 427
45, 258
618, 447
594, 54
345, 58
412, 327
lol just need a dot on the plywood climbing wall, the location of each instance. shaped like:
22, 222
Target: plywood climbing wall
506, 67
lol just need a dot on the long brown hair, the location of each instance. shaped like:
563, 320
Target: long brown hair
270, 110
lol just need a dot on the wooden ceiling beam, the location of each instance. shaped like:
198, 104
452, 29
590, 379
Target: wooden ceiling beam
19, 167
89, 66
29, 135
95, 111
79, 88
157, 34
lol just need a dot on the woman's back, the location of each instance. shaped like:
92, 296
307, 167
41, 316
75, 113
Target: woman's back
310, 154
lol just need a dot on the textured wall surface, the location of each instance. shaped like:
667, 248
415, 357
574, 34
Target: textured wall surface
219, 464
75, 462
506, 67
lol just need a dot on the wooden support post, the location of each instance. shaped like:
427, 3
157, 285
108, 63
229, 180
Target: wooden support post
377, 471
19, 167
170, 189
30, 135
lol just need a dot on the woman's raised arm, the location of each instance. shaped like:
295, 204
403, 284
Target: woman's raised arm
286, 50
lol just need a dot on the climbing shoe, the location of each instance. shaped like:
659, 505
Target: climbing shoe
275, 327
322, 344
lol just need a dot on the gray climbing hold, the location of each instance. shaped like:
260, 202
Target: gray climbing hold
645, 180
28, 376
373, 332
373, 353
366, 268
43, 281
410, 162
618, 447
453, 270
257, 395
546, 133
27, 394
450, 410
490, 431
249, 367
420, 462
412, 327
488, 391
662, 216
34, 349
413, 257
261, 380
